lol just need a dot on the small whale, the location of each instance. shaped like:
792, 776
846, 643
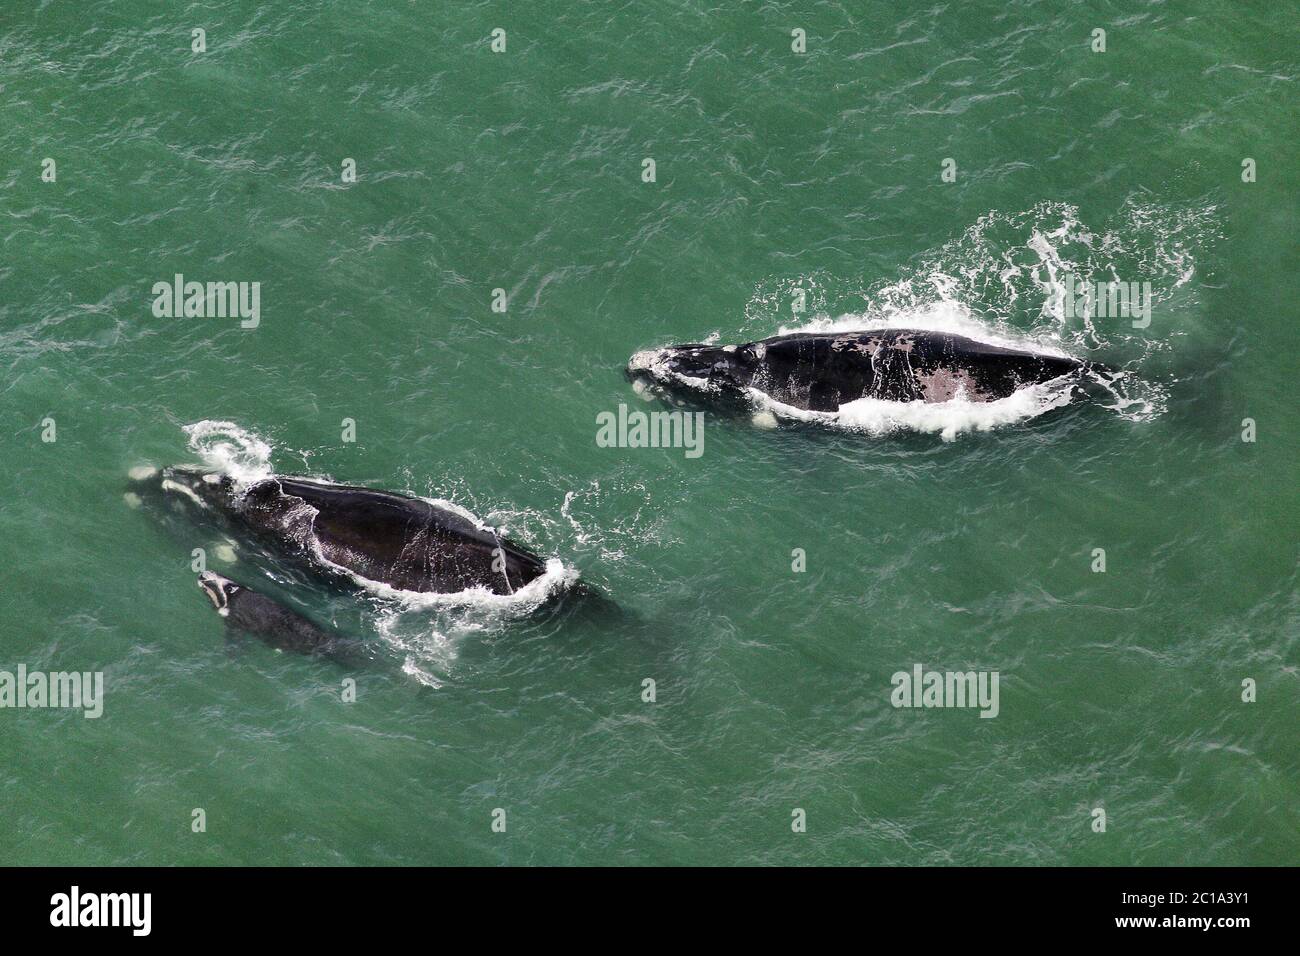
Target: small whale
270, 621
822, 372
406, 543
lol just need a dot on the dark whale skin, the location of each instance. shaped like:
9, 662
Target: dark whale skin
823, 371
403, 542
275, 625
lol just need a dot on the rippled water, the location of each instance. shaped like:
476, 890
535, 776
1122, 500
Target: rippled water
781, 179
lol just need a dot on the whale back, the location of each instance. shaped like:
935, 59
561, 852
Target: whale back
823, 371
277, 626
393, 539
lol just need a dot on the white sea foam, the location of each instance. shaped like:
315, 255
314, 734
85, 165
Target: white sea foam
946, 419
941, 315
228, 448
411, 668
521, 602
613, 519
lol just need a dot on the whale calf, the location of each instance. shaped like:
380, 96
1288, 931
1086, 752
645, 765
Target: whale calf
247, 610
823, 371
406, 543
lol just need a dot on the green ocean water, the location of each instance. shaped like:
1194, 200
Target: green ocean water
780, 177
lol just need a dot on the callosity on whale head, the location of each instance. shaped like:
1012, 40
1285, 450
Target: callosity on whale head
716, 369
184, 486
694, 361
219, 590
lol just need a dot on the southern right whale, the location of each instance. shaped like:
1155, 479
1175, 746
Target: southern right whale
822, 372
274, 624
406, 543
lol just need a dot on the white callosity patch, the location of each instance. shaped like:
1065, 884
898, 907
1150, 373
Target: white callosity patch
653, 364
178, 488
645, 361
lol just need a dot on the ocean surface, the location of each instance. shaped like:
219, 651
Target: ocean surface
790, 191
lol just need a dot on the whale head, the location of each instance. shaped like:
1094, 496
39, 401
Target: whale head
697, 366
219, 590
185, 487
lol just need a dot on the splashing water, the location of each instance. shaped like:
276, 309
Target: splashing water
226, 447
1003, 282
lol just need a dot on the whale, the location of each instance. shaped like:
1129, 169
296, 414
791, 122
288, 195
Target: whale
250, 611
406, 543
824, 371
